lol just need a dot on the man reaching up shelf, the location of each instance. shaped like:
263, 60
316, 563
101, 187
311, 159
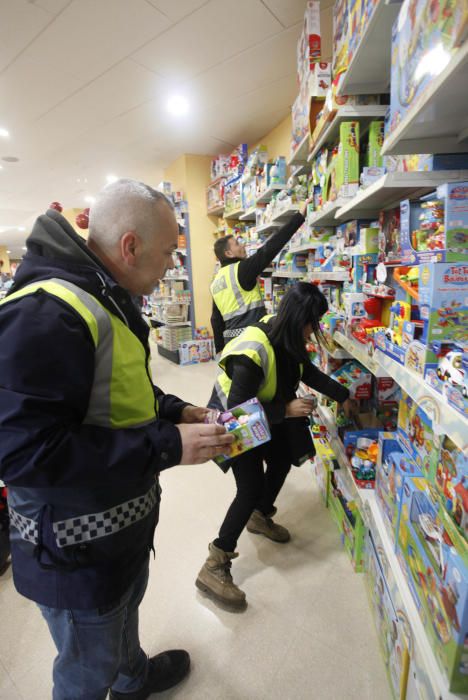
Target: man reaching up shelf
237, 299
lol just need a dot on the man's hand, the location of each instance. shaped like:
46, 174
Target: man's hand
299, 408
194, 414
201, 443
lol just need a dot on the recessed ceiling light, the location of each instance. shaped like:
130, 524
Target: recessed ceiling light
1, 167
21, 228
111, 178
10, 159
89, 200
177, 105
23, 247
8, 251
4, 133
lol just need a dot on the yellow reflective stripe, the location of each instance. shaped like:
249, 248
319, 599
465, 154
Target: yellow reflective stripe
58, 290
231, 299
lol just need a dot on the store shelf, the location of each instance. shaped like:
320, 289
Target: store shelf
172, 355
177, 324
236, 214
312, 245
339, 354
286, 213
301, 169
359, 352
389, 190
266, 196
170, 278
437, 679
269, 228
300, 154
362, 113
249, 215
268, 269
332, 276
290, 275
438, 121
446, 420
216, 211
326, 216
369, 69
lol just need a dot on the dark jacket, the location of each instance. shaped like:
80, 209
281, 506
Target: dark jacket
249, 271
247, 378
55, 466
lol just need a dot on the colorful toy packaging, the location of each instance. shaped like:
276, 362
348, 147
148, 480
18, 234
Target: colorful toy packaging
356, 378
435, 559
361, 448
451, 478
423, 34
342, 178
372, 156
416, 435
436, 228
348, 518
389, 236
309, 44
390, 628
192, 352
247, 422
393, 467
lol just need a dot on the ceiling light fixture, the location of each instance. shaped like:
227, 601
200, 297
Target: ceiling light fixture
89, 200
21, 228
23, 247
178, 106
4, 133
8, 251
110, 179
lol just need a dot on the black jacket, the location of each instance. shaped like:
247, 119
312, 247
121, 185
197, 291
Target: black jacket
251, 268
55, 466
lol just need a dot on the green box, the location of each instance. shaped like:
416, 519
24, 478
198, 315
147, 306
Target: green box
373, 157
352, 534
342, 178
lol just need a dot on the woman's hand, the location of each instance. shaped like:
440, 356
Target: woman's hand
299, 408
304, 205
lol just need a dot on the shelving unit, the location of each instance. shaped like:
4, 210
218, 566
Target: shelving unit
364, 114
184, 278
291, 275
300, 155
266, 196
369, 68
312, 245
326, 216
438, 119
286, 214
269, 228
332, 276
389, 190
236, 214
249, 215
358, 350
216, 211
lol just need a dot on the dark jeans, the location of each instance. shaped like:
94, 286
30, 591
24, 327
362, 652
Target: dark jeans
98, 649
257, 488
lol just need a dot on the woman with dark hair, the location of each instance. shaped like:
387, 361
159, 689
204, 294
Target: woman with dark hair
267, 361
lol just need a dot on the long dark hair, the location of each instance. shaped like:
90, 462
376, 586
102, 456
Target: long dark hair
304, 303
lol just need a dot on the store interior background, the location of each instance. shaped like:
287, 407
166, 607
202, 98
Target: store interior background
86, 86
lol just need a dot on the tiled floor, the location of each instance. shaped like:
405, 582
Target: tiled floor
307, 633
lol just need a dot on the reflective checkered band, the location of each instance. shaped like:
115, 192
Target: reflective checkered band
233, 332
91, 527
26, 527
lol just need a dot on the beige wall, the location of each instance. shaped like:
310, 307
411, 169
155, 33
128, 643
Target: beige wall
5, 257
191, 174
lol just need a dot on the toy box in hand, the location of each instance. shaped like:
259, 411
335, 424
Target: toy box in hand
416, 435
249, 425
393, 467
434, 557
356, 378
192, 352
451, 478
422, 37
390, 628
435, 229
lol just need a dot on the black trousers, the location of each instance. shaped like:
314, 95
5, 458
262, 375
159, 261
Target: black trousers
257, 487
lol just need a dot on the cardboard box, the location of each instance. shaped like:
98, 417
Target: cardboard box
192, 352
249, 425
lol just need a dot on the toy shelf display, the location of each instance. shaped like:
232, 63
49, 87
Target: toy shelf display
386, 239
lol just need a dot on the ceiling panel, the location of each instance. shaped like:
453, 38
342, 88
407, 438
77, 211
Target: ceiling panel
20, 23
227, 28
176, 9
288, 12
53, 6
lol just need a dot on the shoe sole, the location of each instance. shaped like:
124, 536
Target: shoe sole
222, 602
259, 532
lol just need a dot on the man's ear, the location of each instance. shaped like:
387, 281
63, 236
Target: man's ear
228, 253
128, 247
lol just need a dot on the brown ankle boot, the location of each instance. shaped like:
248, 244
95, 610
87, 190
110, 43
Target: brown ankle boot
215, 579
260, 524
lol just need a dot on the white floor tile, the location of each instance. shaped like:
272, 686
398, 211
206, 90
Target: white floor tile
306, 633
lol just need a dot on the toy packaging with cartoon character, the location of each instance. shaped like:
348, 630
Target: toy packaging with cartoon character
247, 422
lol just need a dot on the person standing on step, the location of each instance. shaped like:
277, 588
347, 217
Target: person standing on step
267, 361
237, 299
84, 434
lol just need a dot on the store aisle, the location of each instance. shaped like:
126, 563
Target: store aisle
307, 632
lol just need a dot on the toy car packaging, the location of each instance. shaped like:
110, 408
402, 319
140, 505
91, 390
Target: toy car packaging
354, 377
247, 422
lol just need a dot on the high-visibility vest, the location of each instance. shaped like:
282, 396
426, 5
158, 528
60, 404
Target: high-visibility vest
238, 307
254, 344
122, 395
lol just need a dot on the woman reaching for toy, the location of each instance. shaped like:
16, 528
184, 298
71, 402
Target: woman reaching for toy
267, 361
